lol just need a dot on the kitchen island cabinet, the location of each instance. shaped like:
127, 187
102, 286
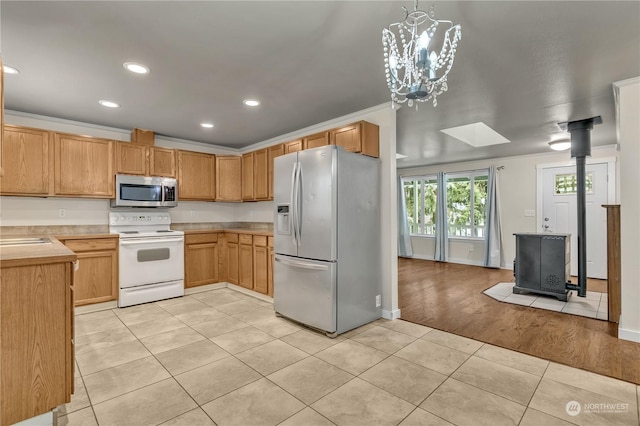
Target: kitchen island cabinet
36, 330
28, 168
97, 274
201, 259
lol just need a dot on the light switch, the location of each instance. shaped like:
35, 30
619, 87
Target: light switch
529, 213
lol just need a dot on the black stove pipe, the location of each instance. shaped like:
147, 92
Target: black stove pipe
580, 149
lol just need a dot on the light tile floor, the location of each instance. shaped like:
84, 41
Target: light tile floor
222, 357
595, 305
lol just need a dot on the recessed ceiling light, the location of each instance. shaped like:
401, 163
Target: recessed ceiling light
10, 70
108, 104
136, 68
560, 145
206, 125
251, 102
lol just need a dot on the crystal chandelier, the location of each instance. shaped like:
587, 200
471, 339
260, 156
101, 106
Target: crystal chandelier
415, 70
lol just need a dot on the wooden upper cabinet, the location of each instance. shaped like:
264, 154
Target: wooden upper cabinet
273, 152
314, 141
293, 146
83, 166
261, 174
362, 137
134, 159
162, 162
228, 178
247, 177
1, 115
27, 160
196, 175
131, 159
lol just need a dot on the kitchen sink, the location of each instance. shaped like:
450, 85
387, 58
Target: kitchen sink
29, 241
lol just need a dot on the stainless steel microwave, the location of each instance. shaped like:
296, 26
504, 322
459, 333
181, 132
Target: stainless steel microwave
145, 191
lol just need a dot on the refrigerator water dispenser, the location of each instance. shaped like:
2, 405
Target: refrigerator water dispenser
283, 221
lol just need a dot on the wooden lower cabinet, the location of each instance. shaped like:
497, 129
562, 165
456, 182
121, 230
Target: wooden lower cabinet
201, 257
231, 258
96, 279
36, 339
260, 264
245, 261
270, 267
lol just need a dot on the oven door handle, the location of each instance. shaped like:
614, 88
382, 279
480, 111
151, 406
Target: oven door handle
151, 241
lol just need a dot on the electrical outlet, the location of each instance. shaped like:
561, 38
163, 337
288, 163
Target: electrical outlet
192, 213
62, 212
472, 247
378, 301
529, 213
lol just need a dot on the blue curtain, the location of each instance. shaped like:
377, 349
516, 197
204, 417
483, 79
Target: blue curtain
404, 240
493, 234
442, 243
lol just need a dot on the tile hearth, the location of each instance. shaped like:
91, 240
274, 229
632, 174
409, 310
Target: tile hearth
222, 357
595, 305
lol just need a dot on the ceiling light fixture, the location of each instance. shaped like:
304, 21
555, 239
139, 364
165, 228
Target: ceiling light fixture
207, 125
251, 102
414, 68
136, 68
108, 104
560, 144
10, 70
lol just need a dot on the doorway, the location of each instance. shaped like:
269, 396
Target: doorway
557, 209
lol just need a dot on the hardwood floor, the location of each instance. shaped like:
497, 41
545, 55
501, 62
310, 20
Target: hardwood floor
449, 297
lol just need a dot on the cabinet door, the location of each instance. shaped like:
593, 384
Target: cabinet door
270, 267
228, 178
347, 137
232, 262
261, 175
83, 166
1, 115
96, 277
247, 177
201, 264
162, 162
26, 159
260, 267
293, 146
245, 260
131, 159
274, 151
196, 175
314, 141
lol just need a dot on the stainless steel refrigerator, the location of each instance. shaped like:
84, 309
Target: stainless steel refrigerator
327, 271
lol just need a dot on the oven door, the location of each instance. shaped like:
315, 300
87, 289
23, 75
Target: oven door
151, 260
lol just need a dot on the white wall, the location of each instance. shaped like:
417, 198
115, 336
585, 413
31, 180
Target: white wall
518, 182
628, 126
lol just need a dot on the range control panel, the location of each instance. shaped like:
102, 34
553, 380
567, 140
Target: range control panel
140, 219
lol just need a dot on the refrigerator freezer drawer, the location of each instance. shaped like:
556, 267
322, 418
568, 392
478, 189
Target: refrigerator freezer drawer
305, 291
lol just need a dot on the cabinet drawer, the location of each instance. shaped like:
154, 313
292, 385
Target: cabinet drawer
231, 238
260, 240
270, 242
246, 239
201, 238
92, 245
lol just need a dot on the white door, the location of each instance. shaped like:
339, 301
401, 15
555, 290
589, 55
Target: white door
560, 214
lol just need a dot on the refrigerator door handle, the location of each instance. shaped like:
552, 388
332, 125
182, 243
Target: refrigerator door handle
299, 203
304, 265
293, 198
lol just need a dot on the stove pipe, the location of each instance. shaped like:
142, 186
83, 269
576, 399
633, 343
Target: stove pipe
581, 148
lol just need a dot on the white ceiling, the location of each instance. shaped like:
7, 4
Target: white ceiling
521, 67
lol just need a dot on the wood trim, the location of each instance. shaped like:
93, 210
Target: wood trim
614, 268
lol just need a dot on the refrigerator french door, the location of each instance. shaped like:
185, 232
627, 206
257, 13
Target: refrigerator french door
326, 272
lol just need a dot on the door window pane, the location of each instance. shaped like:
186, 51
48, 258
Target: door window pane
568, 183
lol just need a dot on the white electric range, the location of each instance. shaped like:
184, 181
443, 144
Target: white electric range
151, 257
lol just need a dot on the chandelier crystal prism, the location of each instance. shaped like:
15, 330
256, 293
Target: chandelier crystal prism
415, 69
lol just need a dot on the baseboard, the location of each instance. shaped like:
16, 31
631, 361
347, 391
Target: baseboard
631, 335
391, 315
85, 309
251, 293
201, 288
